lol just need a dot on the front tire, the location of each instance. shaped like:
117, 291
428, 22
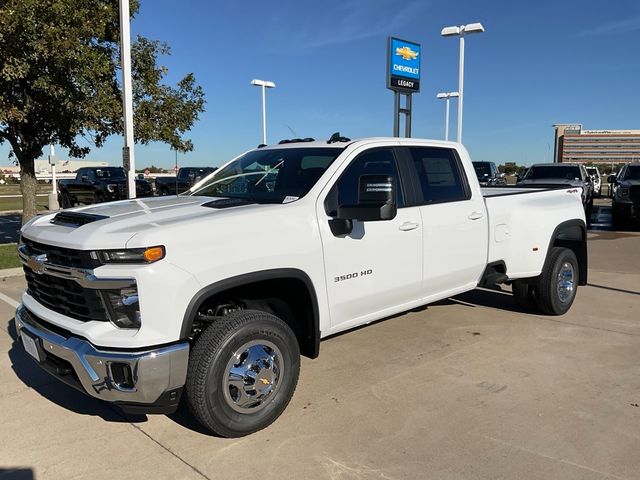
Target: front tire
558, 282
65, 201
242, 373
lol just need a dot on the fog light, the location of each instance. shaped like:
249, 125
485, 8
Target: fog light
124, 307
121, 375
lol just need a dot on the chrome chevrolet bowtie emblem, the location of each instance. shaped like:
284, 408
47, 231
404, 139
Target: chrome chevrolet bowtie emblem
36, 264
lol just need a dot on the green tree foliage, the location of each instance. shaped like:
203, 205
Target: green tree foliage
59, 83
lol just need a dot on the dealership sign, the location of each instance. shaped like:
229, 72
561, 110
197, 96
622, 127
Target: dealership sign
403, 65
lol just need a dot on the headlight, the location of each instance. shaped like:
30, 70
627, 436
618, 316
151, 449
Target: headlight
112, 188
123, 307
130, 255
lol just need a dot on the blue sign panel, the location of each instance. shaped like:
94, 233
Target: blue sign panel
403, 65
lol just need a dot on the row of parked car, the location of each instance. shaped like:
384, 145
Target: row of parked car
545, 175
105, 184
624, 187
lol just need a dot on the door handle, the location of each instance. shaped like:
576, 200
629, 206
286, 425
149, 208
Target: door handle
406, 226
475, 215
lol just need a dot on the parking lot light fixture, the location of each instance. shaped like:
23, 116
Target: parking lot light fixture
461, 31
446, 96
264, 84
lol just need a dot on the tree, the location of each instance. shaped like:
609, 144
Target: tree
59, 70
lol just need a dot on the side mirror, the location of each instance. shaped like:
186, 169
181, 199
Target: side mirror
376, 200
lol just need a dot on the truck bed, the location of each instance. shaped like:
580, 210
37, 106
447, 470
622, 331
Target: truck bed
521, 222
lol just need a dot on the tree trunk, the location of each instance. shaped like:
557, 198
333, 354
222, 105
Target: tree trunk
28, 187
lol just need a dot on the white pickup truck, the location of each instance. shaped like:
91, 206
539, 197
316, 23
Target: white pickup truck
216, 293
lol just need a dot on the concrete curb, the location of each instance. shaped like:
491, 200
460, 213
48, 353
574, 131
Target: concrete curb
11, 272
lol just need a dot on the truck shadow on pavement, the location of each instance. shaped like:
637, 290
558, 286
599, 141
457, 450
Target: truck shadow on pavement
494, 298
56, 391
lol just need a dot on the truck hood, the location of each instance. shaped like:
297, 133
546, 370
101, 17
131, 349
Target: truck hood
112, 225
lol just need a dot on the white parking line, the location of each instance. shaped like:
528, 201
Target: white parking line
8, 300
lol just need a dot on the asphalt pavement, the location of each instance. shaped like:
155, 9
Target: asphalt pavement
468, 388
9, 227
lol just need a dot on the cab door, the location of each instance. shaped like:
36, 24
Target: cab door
454, 219
376, 270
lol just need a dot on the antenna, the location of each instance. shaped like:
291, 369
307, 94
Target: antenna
291, 130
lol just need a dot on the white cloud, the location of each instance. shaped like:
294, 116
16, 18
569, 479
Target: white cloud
612, 28
351, 21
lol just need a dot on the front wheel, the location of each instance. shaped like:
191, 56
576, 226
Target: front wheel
558, 282
65, 201
242, 373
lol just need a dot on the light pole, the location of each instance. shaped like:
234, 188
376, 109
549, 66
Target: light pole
447, 96
52, 199
128, 157
461, 31
264, 84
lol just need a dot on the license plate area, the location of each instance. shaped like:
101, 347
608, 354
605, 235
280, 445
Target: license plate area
30, 345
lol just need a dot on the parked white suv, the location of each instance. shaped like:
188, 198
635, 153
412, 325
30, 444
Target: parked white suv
217, 293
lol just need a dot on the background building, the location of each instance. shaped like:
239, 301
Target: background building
576, 145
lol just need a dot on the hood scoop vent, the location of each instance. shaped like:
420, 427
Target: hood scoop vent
227, 203
73, 219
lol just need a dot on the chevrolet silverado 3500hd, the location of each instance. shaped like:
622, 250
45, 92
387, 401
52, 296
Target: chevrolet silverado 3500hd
215, 294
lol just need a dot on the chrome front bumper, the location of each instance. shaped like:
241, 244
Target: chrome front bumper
155, 376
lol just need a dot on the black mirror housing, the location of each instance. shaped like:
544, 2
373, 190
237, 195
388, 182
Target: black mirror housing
376, 200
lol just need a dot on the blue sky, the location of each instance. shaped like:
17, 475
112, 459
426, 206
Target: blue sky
538, 63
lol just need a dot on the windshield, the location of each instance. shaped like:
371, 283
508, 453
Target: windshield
633, 172
113, 172
568, 172
270, 176
482, 169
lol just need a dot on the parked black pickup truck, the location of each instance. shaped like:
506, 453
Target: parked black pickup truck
625, 206
187, 178
488, 174
98, 184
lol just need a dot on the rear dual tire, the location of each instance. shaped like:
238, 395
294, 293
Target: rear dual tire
554, 291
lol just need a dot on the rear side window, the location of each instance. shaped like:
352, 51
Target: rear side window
440, 175
379, 161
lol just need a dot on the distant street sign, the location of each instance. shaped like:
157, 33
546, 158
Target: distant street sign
126, 159
403, 65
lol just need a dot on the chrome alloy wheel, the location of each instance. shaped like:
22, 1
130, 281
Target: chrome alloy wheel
566, 282
252, 376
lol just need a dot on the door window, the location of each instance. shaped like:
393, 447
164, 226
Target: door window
440, 175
